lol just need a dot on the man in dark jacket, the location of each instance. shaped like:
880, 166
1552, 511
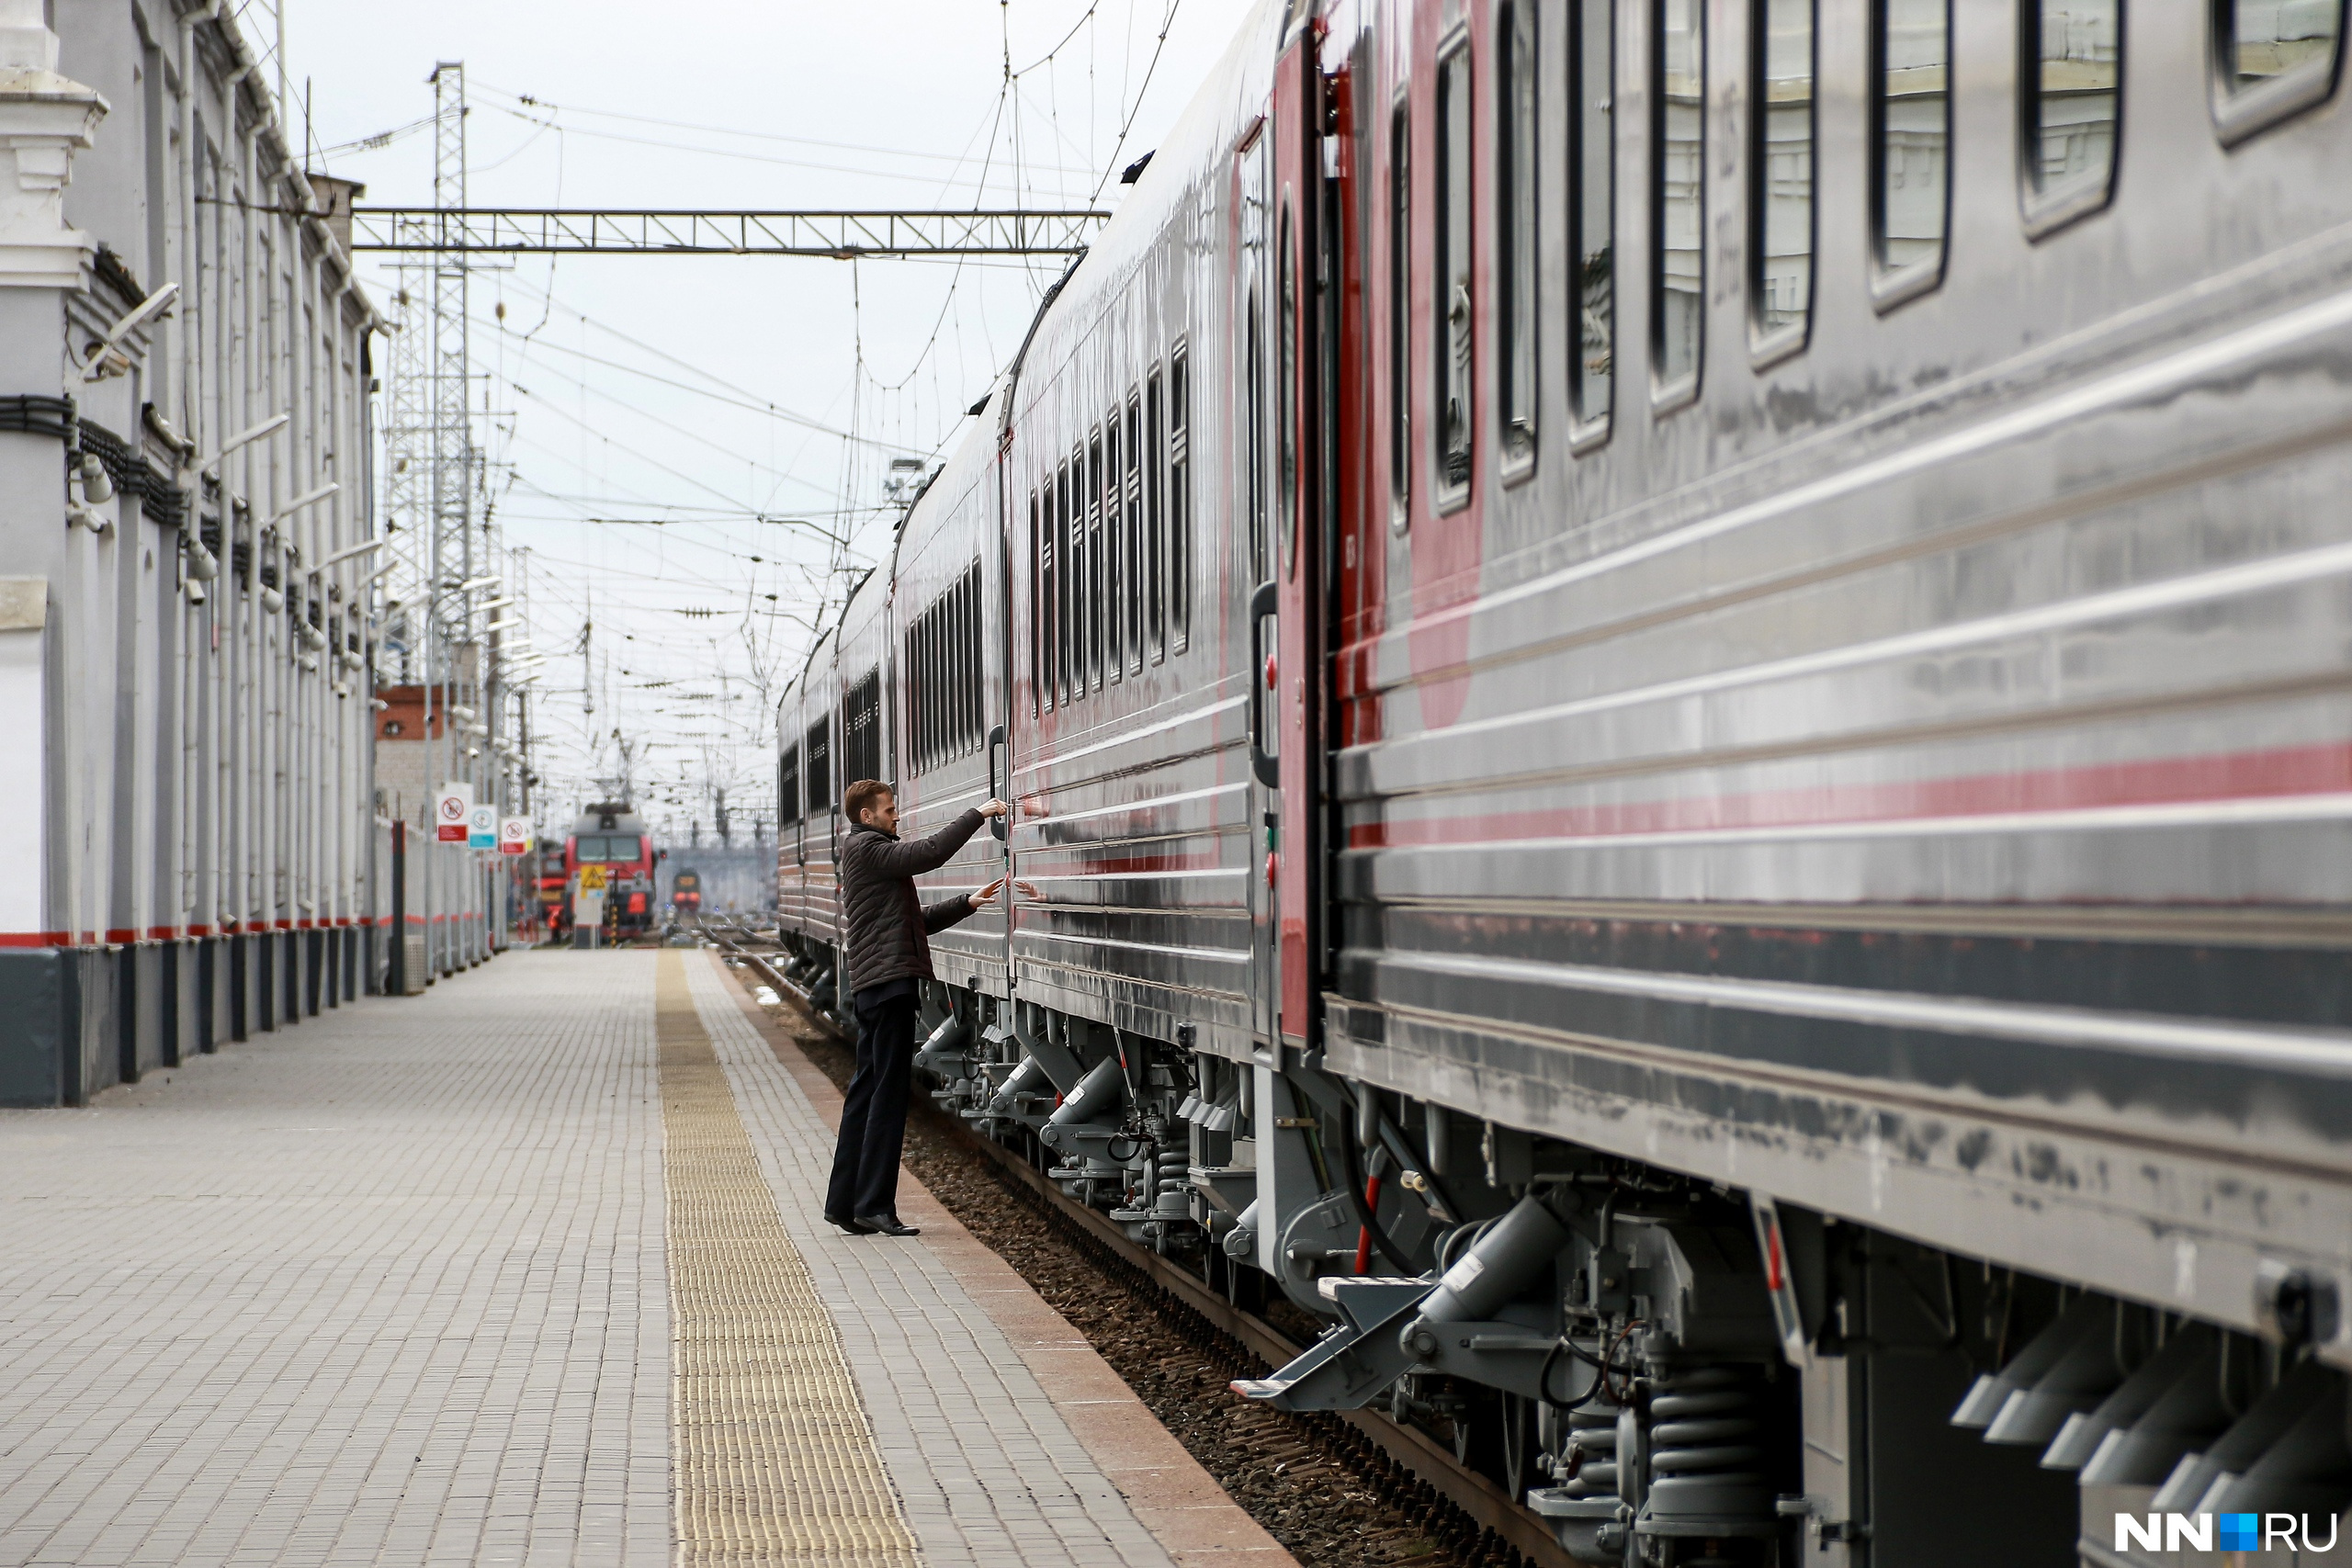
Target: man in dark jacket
887, 953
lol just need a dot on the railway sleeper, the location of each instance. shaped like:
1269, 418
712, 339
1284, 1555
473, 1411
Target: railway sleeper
1670, 1372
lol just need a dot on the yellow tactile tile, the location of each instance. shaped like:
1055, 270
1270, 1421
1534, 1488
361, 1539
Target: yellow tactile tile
772, 1457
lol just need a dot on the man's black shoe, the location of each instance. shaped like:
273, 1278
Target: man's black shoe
886, 1225
854, 1228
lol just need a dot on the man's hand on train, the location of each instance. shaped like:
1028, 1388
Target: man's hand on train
986, 896
994, 808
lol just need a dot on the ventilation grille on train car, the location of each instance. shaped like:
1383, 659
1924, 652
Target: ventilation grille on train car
2214, 1422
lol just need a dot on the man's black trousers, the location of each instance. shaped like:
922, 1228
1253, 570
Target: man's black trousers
874, 1112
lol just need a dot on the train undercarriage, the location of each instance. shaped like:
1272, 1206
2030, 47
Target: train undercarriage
1672, 1371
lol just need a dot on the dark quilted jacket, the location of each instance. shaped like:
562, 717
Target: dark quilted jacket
888, 926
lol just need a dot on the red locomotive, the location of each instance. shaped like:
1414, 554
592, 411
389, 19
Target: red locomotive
612, 836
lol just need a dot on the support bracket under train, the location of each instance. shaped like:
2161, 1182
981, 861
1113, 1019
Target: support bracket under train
1355, 1361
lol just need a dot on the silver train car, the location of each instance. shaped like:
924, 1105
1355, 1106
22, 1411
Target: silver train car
1675, 674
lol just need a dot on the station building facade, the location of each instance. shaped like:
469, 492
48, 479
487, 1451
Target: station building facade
188, 833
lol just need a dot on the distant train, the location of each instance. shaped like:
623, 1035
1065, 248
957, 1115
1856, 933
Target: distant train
547, 886
613, 837
1675, 678
686, 891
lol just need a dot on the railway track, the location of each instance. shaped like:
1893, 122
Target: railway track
1462, 1511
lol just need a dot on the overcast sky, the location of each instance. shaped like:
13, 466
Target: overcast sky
636, 389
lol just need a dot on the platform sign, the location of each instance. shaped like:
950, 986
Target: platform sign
588, 905
513, 835
451, 808
481, 828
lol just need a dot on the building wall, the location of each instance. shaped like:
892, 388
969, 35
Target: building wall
191, 692
407, 727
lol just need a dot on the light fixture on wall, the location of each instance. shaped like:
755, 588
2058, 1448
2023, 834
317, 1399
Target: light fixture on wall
191, 473
102, 357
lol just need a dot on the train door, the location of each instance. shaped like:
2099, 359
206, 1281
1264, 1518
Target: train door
1254, 285
1290, 676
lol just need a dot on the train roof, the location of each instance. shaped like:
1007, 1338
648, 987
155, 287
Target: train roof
609, 818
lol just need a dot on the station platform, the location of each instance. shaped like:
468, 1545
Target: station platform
531, 1269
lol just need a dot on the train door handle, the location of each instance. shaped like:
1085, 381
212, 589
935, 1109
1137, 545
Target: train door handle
1262, 602
996, 744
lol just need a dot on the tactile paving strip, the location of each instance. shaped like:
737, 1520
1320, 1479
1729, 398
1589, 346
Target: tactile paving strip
772, 1457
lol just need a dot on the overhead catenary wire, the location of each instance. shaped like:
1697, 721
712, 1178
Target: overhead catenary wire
656, 524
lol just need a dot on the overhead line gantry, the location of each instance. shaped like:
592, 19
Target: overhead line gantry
842, 236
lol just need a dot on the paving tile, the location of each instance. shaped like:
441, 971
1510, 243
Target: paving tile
973, 1417
241, 1299
390, 1287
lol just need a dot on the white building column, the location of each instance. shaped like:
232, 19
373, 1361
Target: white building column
51, 897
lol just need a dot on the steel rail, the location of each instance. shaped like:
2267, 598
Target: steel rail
1430, 1460
840, 236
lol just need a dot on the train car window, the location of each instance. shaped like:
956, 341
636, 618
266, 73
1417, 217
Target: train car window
915, 699
787, 786
929, 686
2272, 58
1255, 366
923, 688
1400, 313
1677, 193
1180, 506
1085, 569
1066, 568
1592, 206
947, 658
1911, 145
1092, 607
819, 751
1515, 225
2270, 38
1254, 419
1450, 270
944, 695
1132, 511
951, 636
1286, 390
1155, 516
862, 728
1115, 561
1040, 593
971, 688
2072, 73
1780, 164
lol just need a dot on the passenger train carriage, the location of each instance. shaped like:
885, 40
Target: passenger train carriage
1674, 674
